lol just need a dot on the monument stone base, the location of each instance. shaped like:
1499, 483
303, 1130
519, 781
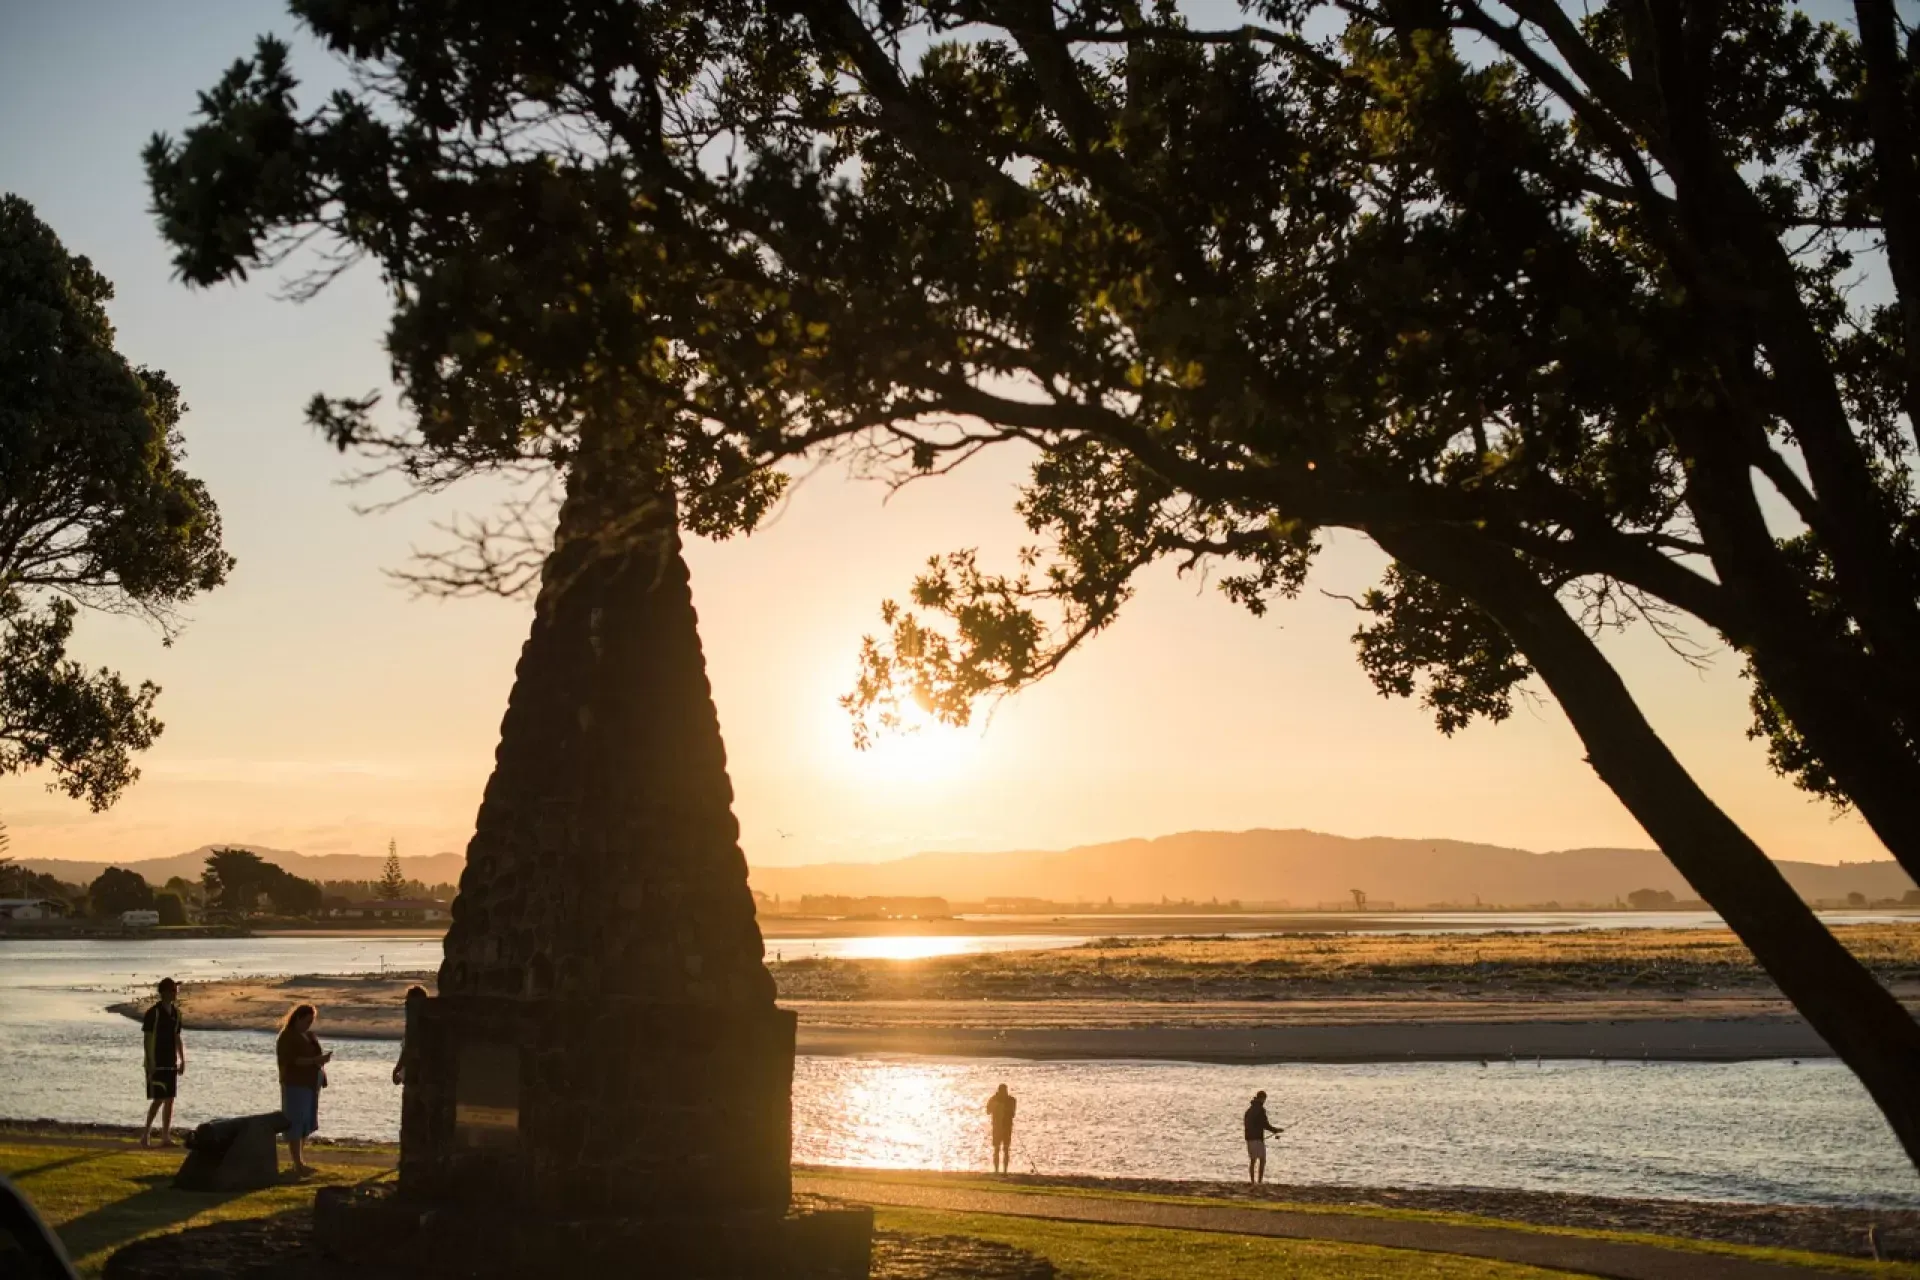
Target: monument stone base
815, 1239
603, 1109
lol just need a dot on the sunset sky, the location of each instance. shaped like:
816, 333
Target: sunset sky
313, 705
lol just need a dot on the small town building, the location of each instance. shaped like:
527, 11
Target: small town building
31, 909
409, 910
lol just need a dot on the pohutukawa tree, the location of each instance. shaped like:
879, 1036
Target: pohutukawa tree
1584, 321
95, 512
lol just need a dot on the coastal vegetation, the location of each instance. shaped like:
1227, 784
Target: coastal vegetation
1341, 964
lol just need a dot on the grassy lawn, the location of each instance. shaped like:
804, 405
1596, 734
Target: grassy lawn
101, 1199
1788, 1257
1086, 1252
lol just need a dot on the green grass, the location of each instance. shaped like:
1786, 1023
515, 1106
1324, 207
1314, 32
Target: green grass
1786, 1257
1088, 1252
100, 1199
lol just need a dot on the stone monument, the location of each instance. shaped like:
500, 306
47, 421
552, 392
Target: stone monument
603, 1082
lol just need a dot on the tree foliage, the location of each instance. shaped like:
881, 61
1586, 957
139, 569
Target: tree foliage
117, 889
95, 512
240, 880
1574, 291
1562, 312
393, 881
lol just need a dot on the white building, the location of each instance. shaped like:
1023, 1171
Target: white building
140, 919
30, 909
411, 910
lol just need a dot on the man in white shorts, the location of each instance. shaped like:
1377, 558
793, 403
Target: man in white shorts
1257, 1128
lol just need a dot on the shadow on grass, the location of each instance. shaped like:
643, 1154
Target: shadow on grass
157, 1208
62, 1163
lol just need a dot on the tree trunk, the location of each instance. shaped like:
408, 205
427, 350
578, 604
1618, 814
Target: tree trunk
1857, 1017
1849, 714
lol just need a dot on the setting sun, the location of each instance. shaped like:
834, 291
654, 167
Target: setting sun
922, 753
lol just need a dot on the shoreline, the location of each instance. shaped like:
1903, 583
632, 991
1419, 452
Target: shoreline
1703, 1028
1619, 995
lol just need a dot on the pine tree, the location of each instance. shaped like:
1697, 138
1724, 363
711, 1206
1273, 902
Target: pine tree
393, 882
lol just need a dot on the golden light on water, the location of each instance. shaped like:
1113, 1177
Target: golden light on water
903, 1117
903, 947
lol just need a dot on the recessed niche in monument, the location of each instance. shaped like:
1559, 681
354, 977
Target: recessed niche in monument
486, 1096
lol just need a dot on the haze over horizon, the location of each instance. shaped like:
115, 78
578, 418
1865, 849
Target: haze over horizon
311, 705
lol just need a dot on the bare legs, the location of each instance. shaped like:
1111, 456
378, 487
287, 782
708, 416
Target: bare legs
1002, 1154
162, 1107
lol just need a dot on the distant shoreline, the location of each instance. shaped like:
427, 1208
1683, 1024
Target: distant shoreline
1651, 1029
1089, 925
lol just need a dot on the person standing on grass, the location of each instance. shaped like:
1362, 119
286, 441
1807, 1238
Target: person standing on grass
302, 1076
1000, 1109
166, 1058
1257, 1127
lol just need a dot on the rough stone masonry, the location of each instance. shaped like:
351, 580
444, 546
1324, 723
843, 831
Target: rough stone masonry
605, 1039
603, 1082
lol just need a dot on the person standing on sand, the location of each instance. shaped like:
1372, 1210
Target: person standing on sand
302, 1076
415, 994
1257, 1127
166, 1058
1000, 1109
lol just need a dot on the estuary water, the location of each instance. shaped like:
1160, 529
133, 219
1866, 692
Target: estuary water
1760, 1132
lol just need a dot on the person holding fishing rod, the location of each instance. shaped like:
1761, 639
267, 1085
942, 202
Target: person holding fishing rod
1257, 1127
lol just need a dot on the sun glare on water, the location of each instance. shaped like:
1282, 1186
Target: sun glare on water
905, 947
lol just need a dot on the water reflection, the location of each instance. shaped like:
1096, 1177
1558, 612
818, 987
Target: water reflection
1759, 1132
914, 946
1768, 1132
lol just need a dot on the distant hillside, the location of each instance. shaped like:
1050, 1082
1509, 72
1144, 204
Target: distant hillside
1298, 868
439, 868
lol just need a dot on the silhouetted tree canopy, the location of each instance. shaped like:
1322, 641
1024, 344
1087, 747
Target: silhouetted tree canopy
94, 512
239, 880
393, 881
1564, 313
117, 889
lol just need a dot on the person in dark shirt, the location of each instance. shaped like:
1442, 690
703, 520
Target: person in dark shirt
403, 1063
1000, 1109
302, 1076
165, 1058
1257, 1127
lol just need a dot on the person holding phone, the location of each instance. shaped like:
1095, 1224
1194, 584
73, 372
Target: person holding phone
302, 1076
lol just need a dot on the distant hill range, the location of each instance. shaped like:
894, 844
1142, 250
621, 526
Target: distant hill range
439, 868
1299, 869
1293, 868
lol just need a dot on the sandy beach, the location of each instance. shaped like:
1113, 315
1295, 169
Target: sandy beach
1628, 994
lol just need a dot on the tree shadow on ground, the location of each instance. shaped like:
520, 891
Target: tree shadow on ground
156, 1208
62, 1163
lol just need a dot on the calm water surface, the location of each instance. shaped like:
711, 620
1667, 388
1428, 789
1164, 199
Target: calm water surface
1745, 1131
